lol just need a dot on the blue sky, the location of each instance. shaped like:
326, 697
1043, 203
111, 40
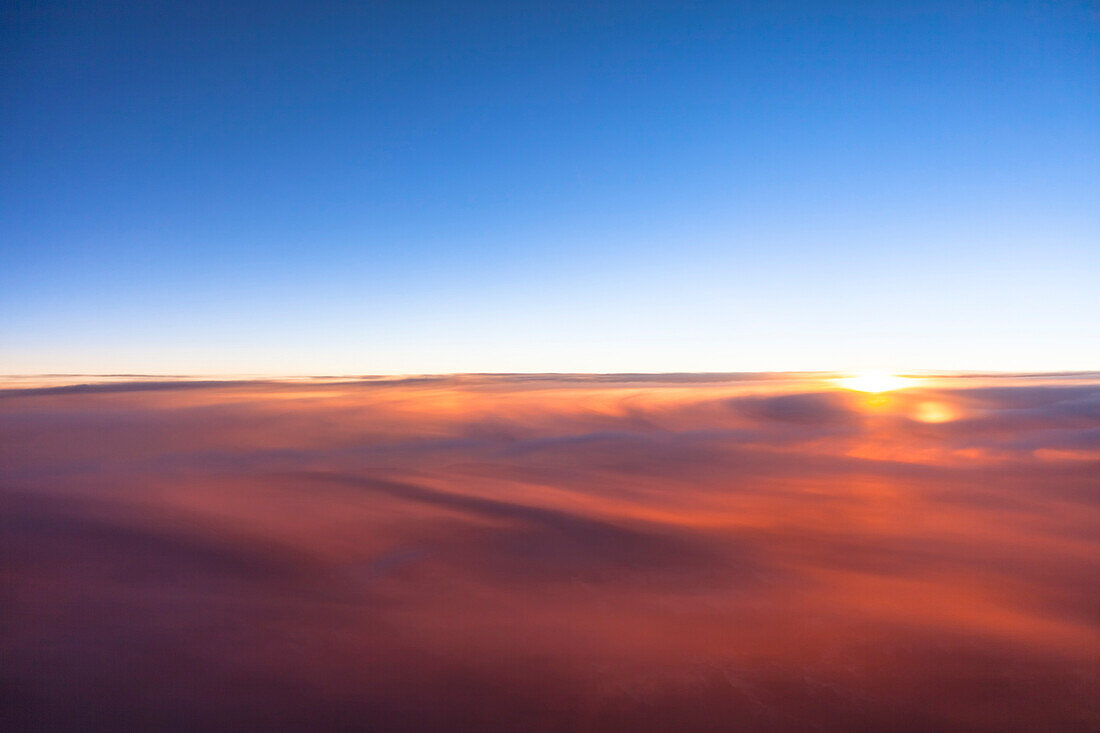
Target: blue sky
431, 187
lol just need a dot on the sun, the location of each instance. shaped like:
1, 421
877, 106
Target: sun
875, 382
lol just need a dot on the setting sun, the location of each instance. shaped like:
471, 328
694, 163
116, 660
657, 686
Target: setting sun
875, 382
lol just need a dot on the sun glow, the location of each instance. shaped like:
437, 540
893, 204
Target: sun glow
934, 412
875, 382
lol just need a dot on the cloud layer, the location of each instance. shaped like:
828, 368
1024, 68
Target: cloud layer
555, 552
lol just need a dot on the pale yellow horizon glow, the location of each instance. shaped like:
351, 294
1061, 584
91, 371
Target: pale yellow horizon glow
876, 382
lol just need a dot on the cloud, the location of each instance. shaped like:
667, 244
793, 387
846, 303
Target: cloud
814, 408
599, 552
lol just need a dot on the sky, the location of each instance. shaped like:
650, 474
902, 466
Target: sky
415, 187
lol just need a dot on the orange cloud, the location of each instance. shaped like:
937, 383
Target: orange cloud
575, 552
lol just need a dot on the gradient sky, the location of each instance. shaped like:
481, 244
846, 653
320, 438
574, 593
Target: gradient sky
323, 187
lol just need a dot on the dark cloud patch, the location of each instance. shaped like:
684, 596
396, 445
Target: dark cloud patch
536, 543
813, 408
655, 378
1029, 396
1087, 439
110, 541
117, 387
